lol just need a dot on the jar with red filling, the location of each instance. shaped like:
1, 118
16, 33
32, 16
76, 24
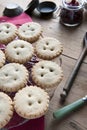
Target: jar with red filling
71, 13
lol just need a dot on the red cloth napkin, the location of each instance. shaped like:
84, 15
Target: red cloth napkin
35, 124
18, 20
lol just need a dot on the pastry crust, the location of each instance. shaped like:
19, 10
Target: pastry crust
31, 102
19, 51
8, 32
2, 58
13, 76
6, 109
48, 48
47, 74
30, 31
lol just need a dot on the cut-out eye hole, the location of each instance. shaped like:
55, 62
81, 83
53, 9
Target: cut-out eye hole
51, 70
23, 30
39, 101
22, 46
42, 67
29, 95
42, 75
7, 31
52, 49
30, 103
15, 47
0, 31
15, 78
44, 48
47, 43
8, 26
16, 70
32, 29
6, 75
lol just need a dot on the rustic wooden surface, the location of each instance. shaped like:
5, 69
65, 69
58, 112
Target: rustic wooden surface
71, 38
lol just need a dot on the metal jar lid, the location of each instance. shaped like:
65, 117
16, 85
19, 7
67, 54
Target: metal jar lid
31, 6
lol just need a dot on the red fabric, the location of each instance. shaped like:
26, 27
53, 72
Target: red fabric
18, 20
35, 124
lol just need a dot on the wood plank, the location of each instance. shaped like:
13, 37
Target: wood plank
76, 120
71, 38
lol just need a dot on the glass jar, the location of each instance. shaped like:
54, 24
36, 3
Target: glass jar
71, 13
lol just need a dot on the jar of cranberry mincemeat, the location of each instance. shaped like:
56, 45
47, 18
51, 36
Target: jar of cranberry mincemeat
71, 13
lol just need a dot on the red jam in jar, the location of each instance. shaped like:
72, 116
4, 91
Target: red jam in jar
71, 13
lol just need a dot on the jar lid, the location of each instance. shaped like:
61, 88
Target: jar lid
73, 6
31, 6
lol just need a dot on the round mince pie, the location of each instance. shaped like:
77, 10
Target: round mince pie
13, 76
31, 102
6, 109
46, 74
8, 32
30, 31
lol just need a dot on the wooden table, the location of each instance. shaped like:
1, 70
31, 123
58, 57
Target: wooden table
71, 38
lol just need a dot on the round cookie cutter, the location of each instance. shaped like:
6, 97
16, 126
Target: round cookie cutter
12, 9
47, 7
